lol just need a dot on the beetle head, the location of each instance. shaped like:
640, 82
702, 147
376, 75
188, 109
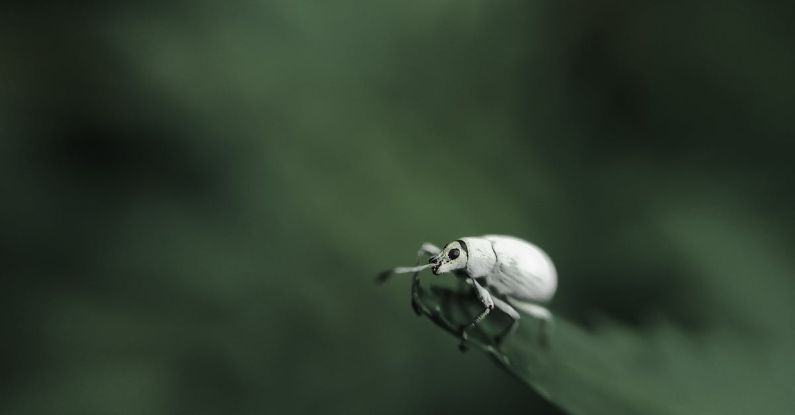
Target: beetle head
452, 258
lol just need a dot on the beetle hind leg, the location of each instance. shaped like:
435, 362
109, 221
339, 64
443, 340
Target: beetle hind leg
544, 318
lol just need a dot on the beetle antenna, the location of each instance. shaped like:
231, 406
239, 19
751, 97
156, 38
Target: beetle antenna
400, 270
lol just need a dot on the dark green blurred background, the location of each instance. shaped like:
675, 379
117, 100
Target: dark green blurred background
197, 195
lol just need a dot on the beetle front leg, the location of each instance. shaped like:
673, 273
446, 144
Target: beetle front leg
488, 302
426, 249
429, 250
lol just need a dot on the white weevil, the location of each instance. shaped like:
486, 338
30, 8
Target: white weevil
505, 271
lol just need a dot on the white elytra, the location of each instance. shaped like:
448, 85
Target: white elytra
512, 267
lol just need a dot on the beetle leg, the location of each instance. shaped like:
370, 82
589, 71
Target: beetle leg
428, 249
512, 313
486, 299
545, 320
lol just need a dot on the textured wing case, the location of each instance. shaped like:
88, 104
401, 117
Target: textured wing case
523, 271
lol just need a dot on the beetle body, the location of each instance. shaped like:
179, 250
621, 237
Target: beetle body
505, 272
509, 266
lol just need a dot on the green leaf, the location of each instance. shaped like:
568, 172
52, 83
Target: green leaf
566, 371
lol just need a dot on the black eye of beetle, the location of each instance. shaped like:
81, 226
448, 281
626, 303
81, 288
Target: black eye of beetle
454, 253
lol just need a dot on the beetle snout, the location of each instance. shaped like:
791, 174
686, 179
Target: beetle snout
436, 261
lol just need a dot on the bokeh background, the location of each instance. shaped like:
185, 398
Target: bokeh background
197, 195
